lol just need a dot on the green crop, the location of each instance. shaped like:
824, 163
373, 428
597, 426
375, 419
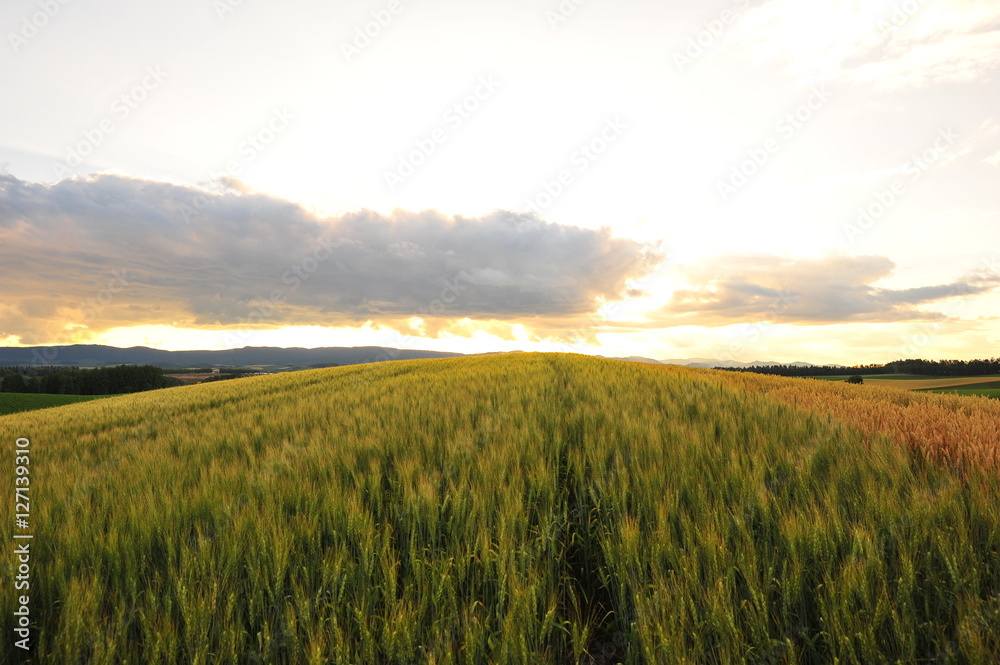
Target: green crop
527, 508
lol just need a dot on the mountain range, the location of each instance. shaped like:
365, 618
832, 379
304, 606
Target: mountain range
712, 362
95, 355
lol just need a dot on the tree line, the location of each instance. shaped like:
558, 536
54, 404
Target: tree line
72, 381
912, 366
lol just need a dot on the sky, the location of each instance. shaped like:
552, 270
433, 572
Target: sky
735, 179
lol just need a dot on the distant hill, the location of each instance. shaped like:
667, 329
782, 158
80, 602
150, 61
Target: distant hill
711, 362
640, 359
93, 355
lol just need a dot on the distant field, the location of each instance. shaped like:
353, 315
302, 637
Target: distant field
545, 509
18, 402
894, 377
191, 377
916, 382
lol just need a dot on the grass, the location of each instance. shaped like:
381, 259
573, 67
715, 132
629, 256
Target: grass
531, 508
18, 402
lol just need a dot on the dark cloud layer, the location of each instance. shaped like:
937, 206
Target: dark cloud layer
828, 290
113, 250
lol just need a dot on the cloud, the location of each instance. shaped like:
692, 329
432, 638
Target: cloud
111, 250
993, 160
919, 64
888, 44
829, 290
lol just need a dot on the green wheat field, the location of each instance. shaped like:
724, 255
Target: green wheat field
525, 508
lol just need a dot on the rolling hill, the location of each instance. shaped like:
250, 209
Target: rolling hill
95, 355
522, 508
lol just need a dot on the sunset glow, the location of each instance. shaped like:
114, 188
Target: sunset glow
742, 180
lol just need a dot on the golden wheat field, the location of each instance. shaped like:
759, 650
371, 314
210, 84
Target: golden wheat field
526, 508
959, 430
